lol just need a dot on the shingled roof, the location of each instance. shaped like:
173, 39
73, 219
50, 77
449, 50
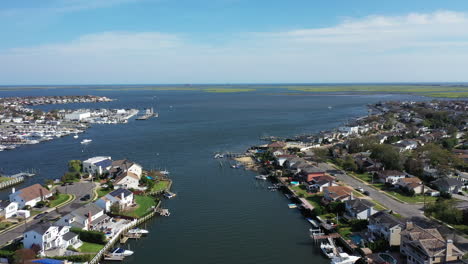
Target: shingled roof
32, 192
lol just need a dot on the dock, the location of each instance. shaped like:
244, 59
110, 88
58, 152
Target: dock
113, 258
148, 114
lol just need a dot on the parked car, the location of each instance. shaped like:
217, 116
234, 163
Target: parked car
366, 192
360, 189
86, 197
39, 216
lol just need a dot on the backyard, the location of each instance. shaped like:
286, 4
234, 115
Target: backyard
160, 186
144, 203
90, 247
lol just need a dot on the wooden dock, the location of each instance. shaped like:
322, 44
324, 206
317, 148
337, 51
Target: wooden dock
333, 235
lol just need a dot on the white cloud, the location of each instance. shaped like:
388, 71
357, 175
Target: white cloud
414, 47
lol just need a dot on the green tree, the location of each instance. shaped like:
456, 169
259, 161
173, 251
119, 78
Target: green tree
388, 155
75, 166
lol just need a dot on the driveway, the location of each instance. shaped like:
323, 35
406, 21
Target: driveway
77, 189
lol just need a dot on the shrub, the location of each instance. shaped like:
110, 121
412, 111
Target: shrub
75, 258
90, 236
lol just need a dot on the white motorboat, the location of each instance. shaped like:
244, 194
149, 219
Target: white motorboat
261, 177
86, 141
75, 136
165, 172
120, 252
344, 258
327, 250
138, 231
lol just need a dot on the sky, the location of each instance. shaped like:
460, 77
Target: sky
232, 41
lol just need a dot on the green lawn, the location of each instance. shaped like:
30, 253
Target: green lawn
412, 199
363, 176
344, 231
4, 179
101, 192
90, 247
5, 224
60, 199
160, 186
144, 204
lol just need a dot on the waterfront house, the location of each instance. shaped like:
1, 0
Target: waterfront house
87, 217
48, 237
281, 159
127, 180
412, 183
317, 183
97, 165
30, 195
122, 197
277, 145
450, 185
8, 209
426, 245
119, 167
359, 208
336, 194
390, 176
386, 226
308, 173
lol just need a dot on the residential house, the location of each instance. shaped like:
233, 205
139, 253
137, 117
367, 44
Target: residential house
359, 208
317, 183
277, 145
309, 172
281, 159
412, 183
127, 180
426, 245
30, 195
386, 226
87, 217
365, 163
405, 145
49, 237
121, 166
390, 176
450, 185
122, 197
8, 209
336, 194
97, 165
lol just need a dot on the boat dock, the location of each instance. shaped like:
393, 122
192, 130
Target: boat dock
148, 114
113, 258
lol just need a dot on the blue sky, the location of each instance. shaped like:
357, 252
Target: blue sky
232, 41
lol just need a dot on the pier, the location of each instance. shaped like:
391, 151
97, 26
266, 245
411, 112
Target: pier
148, 114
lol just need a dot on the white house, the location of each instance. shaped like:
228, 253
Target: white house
359, 209
386, 226
49, 237
8, 209
127, 180
390, 176
30, 195
77, 116
88, 217
122, 197
97, 165
120, 166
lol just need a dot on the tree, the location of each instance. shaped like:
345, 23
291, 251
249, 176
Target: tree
321, 154
414, 166
388, 155
74, 166
115, 208
349, 164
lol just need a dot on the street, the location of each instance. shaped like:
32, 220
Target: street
77, 189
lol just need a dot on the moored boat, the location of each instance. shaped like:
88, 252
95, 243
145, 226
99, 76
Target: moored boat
86, 141
344, 258
138, 231
121, 252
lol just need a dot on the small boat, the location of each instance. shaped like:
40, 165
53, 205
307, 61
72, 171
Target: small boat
138, 231
218, 156
120, 252
292, 206
236, 166
169, 195
261, 177
344, 258
86, 141
327, 250
165, 172
75, 136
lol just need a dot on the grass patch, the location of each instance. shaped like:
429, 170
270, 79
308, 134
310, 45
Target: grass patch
345, 231
5, 224
59, 199
160, 186
4, 179
367, 177
144, 204
412, 199
102, 191
449, 95
90, 247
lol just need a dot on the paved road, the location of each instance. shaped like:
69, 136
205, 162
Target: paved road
77, 189
406, 210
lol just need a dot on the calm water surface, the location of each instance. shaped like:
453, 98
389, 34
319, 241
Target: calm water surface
220, 215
